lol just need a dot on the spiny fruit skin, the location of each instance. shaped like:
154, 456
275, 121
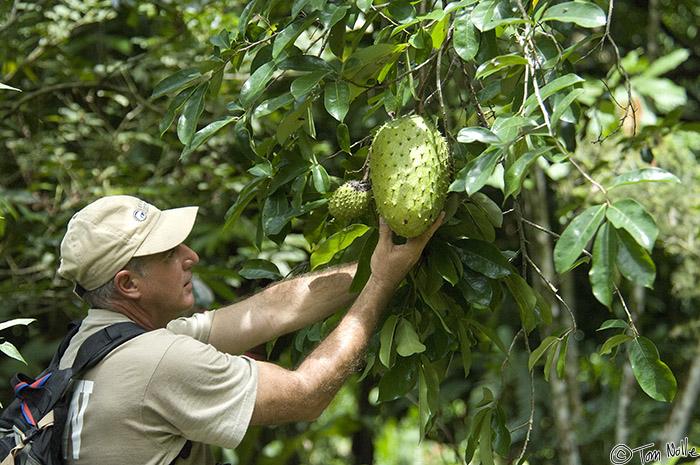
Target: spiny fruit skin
410, 172
350, 200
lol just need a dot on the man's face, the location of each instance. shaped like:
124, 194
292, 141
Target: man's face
166, 288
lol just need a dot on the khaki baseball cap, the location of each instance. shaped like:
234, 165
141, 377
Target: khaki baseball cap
102, 237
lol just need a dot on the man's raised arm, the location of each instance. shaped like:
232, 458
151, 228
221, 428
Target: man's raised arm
285, 395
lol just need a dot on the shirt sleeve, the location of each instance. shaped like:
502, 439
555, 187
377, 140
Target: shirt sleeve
202, 394
197, 326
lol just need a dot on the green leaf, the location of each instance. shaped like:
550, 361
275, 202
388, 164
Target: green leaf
478, 171
550, 89
335, 243
16, 322
428, 395
613, 342
407, 340
306, 63
489, 333
475, 288
666, 63
175, 81
584, 14
477, 134
518, 170
191, 111
561, 360
319, 175
247, 194
336, 99
546, 344
343, 136
11, 351
259, 269
634, 262
386, 340
525, 297
466, 36
255, 85
629, 215
484, 258
602, 273
465, 348
6, 87
205, 133
304, 84
643, 175
576, 236
367, 62
496, 64
654, 376
401, 10
399, 381
289, 34
615, 323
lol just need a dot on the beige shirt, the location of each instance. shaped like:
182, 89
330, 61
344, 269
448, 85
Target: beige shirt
147, 397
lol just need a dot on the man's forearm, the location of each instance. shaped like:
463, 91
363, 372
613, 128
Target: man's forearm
323, 371
282, 308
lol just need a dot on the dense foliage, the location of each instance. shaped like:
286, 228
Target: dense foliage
568, 247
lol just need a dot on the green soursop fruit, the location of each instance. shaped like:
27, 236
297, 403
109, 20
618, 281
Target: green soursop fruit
410, 172
350, 200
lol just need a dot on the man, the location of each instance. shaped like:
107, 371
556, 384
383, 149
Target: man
181, 386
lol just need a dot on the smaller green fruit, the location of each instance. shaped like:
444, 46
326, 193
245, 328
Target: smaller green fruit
350, 200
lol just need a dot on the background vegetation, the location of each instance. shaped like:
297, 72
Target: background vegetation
255, 111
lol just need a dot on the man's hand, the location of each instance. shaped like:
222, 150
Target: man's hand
391, 262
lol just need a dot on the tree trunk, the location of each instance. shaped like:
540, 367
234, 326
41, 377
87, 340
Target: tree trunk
677, 425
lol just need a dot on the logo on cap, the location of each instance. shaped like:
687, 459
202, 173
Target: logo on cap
140, 214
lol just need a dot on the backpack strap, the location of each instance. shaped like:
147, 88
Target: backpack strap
102, 342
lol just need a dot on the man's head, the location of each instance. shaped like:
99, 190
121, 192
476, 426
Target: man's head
112, 233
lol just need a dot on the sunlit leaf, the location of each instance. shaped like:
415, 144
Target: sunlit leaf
335, 243
602, 272
259, 269
336, 99
633, 261
176, 81
584, 14
630, 215
644, 175
576, 237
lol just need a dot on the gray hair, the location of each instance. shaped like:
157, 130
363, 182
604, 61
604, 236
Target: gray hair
103, 296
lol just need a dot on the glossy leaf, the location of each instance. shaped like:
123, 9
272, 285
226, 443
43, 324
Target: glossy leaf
176, 81
477, 134
525, 298
259, 269
320, 178
546, 344
479, 170
398, 381
191, 111
289, 34
173, 108
628, 214
428, 392
16, 322
336, 99
550, 89
247, 194
386, 340
335, 243
602, 272
516, 173
634, 262
11, 351
614, 323
644, 175
582, 13
255, 85
561, 360
576, 236
466, 36
484, 258
499, 63
407, 340
343, 135
654, 376
302, 85
613, 342
205, 133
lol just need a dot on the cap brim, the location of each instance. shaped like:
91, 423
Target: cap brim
171, 230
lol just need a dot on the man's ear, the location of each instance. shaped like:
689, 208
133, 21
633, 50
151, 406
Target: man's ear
127, 284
